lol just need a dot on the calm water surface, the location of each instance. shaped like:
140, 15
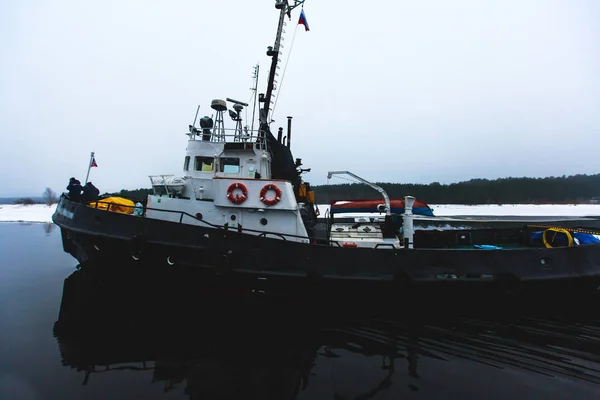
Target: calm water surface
134, 347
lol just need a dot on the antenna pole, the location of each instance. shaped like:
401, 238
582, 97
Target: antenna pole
193, 126
254, 89
284, 8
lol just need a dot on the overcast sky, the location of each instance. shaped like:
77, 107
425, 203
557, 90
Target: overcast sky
399, 91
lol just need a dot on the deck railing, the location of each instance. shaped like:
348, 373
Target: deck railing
224, 228
182, 214
230, 135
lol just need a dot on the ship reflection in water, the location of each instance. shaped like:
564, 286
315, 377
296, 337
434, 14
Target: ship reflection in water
253, 348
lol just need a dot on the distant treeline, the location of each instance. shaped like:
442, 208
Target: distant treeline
21, 200
136, 194
565, 189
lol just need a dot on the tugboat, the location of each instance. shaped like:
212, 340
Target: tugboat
241, 209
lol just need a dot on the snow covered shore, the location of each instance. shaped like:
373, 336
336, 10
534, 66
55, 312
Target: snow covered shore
508, 210
43, 213
529, 210
31, 213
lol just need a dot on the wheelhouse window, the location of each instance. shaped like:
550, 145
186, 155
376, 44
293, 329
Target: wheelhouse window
186, 164
204, 164
230, 165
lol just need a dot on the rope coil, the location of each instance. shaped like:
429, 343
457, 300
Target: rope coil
570, 241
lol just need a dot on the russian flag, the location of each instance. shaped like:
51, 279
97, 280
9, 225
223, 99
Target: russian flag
302, 20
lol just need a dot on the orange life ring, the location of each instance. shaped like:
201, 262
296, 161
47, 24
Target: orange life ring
274, 200
237, 198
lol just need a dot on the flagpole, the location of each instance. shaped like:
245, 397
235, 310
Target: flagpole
89, 167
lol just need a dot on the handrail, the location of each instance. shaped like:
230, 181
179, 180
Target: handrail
258, 136
385, 245
228, 129
145, 208
222, 226
264, 234
182, 213
261, 233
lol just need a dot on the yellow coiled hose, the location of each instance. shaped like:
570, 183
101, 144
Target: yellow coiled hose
557, 231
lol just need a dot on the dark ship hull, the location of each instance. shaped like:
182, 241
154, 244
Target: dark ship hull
114, 241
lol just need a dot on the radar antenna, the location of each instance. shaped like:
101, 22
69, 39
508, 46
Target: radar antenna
238, 106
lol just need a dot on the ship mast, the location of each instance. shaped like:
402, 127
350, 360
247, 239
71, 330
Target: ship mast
254, 94
284, 8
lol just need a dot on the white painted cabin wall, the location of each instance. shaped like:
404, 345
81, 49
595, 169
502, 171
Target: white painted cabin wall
199, 184
284, 221
254, 186
207, 193
261, 159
